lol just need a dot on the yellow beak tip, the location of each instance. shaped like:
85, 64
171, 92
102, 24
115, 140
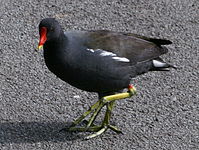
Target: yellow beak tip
40, 47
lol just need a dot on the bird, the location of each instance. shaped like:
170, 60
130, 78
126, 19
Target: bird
100, 61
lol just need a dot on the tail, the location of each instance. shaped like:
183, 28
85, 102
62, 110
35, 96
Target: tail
160, 65
160, 41
156, 64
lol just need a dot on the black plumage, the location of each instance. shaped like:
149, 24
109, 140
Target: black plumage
100, 61
69, 55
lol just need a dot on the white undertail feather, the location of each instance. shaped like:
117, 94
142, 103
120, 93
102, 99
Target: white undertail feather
159, 64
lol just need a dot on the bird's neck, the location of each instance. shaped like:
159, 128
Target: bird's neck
57, 43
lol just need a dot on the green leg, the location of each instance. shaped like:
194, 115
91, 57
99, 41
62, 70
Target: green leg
83, 129
109, 102
107, 116
106, 122
91, 109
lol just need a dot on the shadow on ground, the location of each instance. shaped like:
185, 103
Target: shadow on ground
31, 132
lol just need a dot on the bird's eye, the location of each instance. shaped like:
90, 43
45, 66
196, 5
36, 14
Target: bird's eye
52, 29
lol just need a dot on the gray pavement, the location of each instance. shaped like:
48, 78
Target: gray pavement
35, 104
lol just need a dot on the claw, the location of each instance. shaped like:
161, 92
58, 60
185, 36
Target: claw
114, 128
102, 130
97, 133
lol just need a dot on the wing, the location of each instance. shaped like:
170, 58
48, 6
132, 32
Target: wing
103, 70
104, 64
131, 46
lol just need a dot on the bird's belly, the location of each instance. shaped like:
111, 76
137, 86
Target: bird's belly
88, 81
96, 84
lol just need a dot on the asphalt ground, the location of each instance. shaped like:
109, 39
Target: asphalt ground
35, 104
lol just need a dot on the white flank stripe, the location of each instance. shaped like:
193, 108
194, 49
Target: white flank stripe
110, 54
158, 64
114, 56
105, 53
123, 59
91, 50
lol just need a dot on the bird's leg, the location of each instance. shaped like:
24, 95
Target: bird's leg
78, 120
106, 122
91, 109
109, 106
107, 117
94, 115
109, 102
96, 108
104, 126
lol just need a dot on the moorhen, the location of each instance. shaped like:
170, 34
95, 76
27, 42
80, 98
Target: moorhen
99, 61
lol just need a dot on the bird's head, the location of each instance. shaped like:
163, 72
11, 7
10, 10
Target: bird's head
49, 29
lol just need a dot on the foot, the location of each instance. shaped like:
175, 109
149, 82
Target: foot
95, 109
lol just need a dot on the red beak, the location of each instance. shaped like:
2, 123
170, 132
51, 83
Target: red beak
43, 37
